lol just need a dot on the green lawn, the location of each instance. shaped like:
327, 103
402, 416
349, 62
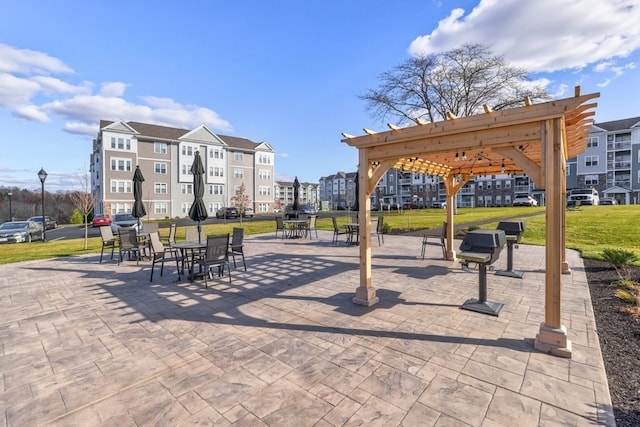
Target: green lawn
589, 229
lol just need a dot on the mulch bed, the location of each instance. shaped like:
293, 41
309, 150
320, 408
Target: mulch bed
619, 335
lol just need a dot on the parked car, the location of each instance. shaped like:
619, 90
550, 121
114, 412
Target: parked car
608, 201
524, 200
20, 231
248, 213
123, 220
410, 206
227, 213
100, 220
439, 205
302, 210
583, 196
50, 222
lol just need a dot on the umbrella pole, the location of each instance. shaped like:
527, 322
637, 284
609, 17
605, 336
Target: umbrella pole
199, 232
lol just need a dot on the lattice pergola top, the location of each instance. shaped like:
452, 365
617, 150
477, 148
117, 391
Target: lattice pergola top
505, 141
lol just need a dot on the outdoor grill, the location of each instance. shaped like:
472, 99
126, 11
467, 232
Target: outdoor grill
482, 247
513, 230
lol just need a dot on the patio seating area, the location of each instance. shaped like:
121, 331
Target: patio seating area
89, 343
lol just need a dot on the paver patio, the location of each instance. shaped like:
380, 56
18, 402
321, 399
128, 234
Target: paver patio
85, 344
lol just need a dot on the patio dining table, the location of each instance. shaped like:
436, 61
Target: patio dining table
353, 229
296, 228
188, 252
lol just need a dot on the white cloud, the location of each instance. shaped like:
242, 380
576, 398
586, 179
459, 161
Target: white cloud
113, 89
26, 61
31, 89
541, 35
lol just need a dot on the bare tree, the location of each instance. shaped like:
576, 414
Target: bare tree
241, 200
459, 81
84, 202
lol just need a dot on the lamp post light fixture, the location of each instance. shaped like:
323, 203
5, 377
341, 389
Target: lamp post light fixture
9, 195
43, 176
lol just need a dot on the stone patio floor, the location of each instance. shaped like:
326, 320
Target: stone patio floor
89, 344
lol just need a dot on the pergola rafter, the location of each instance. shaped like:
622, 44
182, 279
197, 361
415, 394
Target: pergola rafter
536, 139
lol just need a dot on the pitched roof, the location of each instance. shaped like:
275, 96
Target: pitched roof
622, 124
147, 130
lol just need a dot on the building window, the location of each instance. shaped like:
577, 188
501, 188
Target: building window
117, 208
498, 186
264, 190
264, 174
160, 167
121, 186
238, 157
160, 188
593, 142
218, 171
187, 150
216, 190
187, 188
263, 159
184, 208
160, 147
160, 208
120, 164
591, 161
238, 173
591, 180
216, 153
120, 143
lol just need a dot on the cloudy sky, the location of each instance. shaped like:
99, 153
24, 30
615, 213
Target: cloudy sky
286, 72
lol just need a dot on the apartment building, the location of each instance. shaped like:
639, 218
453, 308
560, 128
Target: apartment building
165, 156
611, 162
307, 193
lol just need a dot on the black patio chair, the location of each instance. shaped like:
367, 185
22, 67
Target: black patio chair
160, 253
380, 229
280, 227
128, 244
108, 240
337, 232
216, 254
237, 246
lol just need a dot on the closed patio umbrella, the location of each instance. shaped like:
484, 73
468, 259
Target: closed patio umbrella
138, 207
198, 211
296, 196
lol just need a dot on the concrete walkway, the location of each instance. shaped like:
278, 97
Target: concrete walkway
88, 344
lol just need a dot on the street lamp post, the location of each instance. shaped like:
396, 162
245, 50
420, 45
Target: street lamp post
9, 195
43, 176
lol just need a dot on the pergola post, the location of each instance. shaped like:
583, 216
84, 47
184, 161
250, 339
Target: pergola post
552, 336
365, 293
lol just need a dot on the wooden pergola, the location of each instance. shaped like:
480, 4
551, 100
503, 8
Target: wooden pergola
536, 139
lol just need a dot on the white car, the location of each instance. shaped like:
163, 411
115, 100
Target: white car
123, 220
248, 212
524, 200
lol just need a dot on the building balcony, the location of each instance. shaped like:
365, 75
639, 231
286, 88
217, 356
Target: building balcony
617, 146
619, 165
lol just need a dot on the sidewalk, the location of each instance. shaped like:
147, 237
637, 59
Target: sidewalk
93, 344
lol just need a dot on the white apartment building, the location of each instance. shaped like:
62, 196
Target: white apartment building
165, 156
307, 193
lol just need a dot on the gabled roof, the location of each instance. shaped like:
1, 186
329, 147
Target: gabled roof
623, 124
151, 131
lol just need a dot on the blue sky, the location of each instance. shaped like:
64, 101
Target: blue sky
285, 72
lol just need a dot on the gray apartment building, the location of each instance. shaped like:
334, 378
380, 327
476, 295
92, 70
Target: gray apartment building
610, 164
165, 156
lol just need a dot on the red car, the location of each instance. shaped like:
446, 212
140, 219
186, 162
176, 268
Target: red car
100, 220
